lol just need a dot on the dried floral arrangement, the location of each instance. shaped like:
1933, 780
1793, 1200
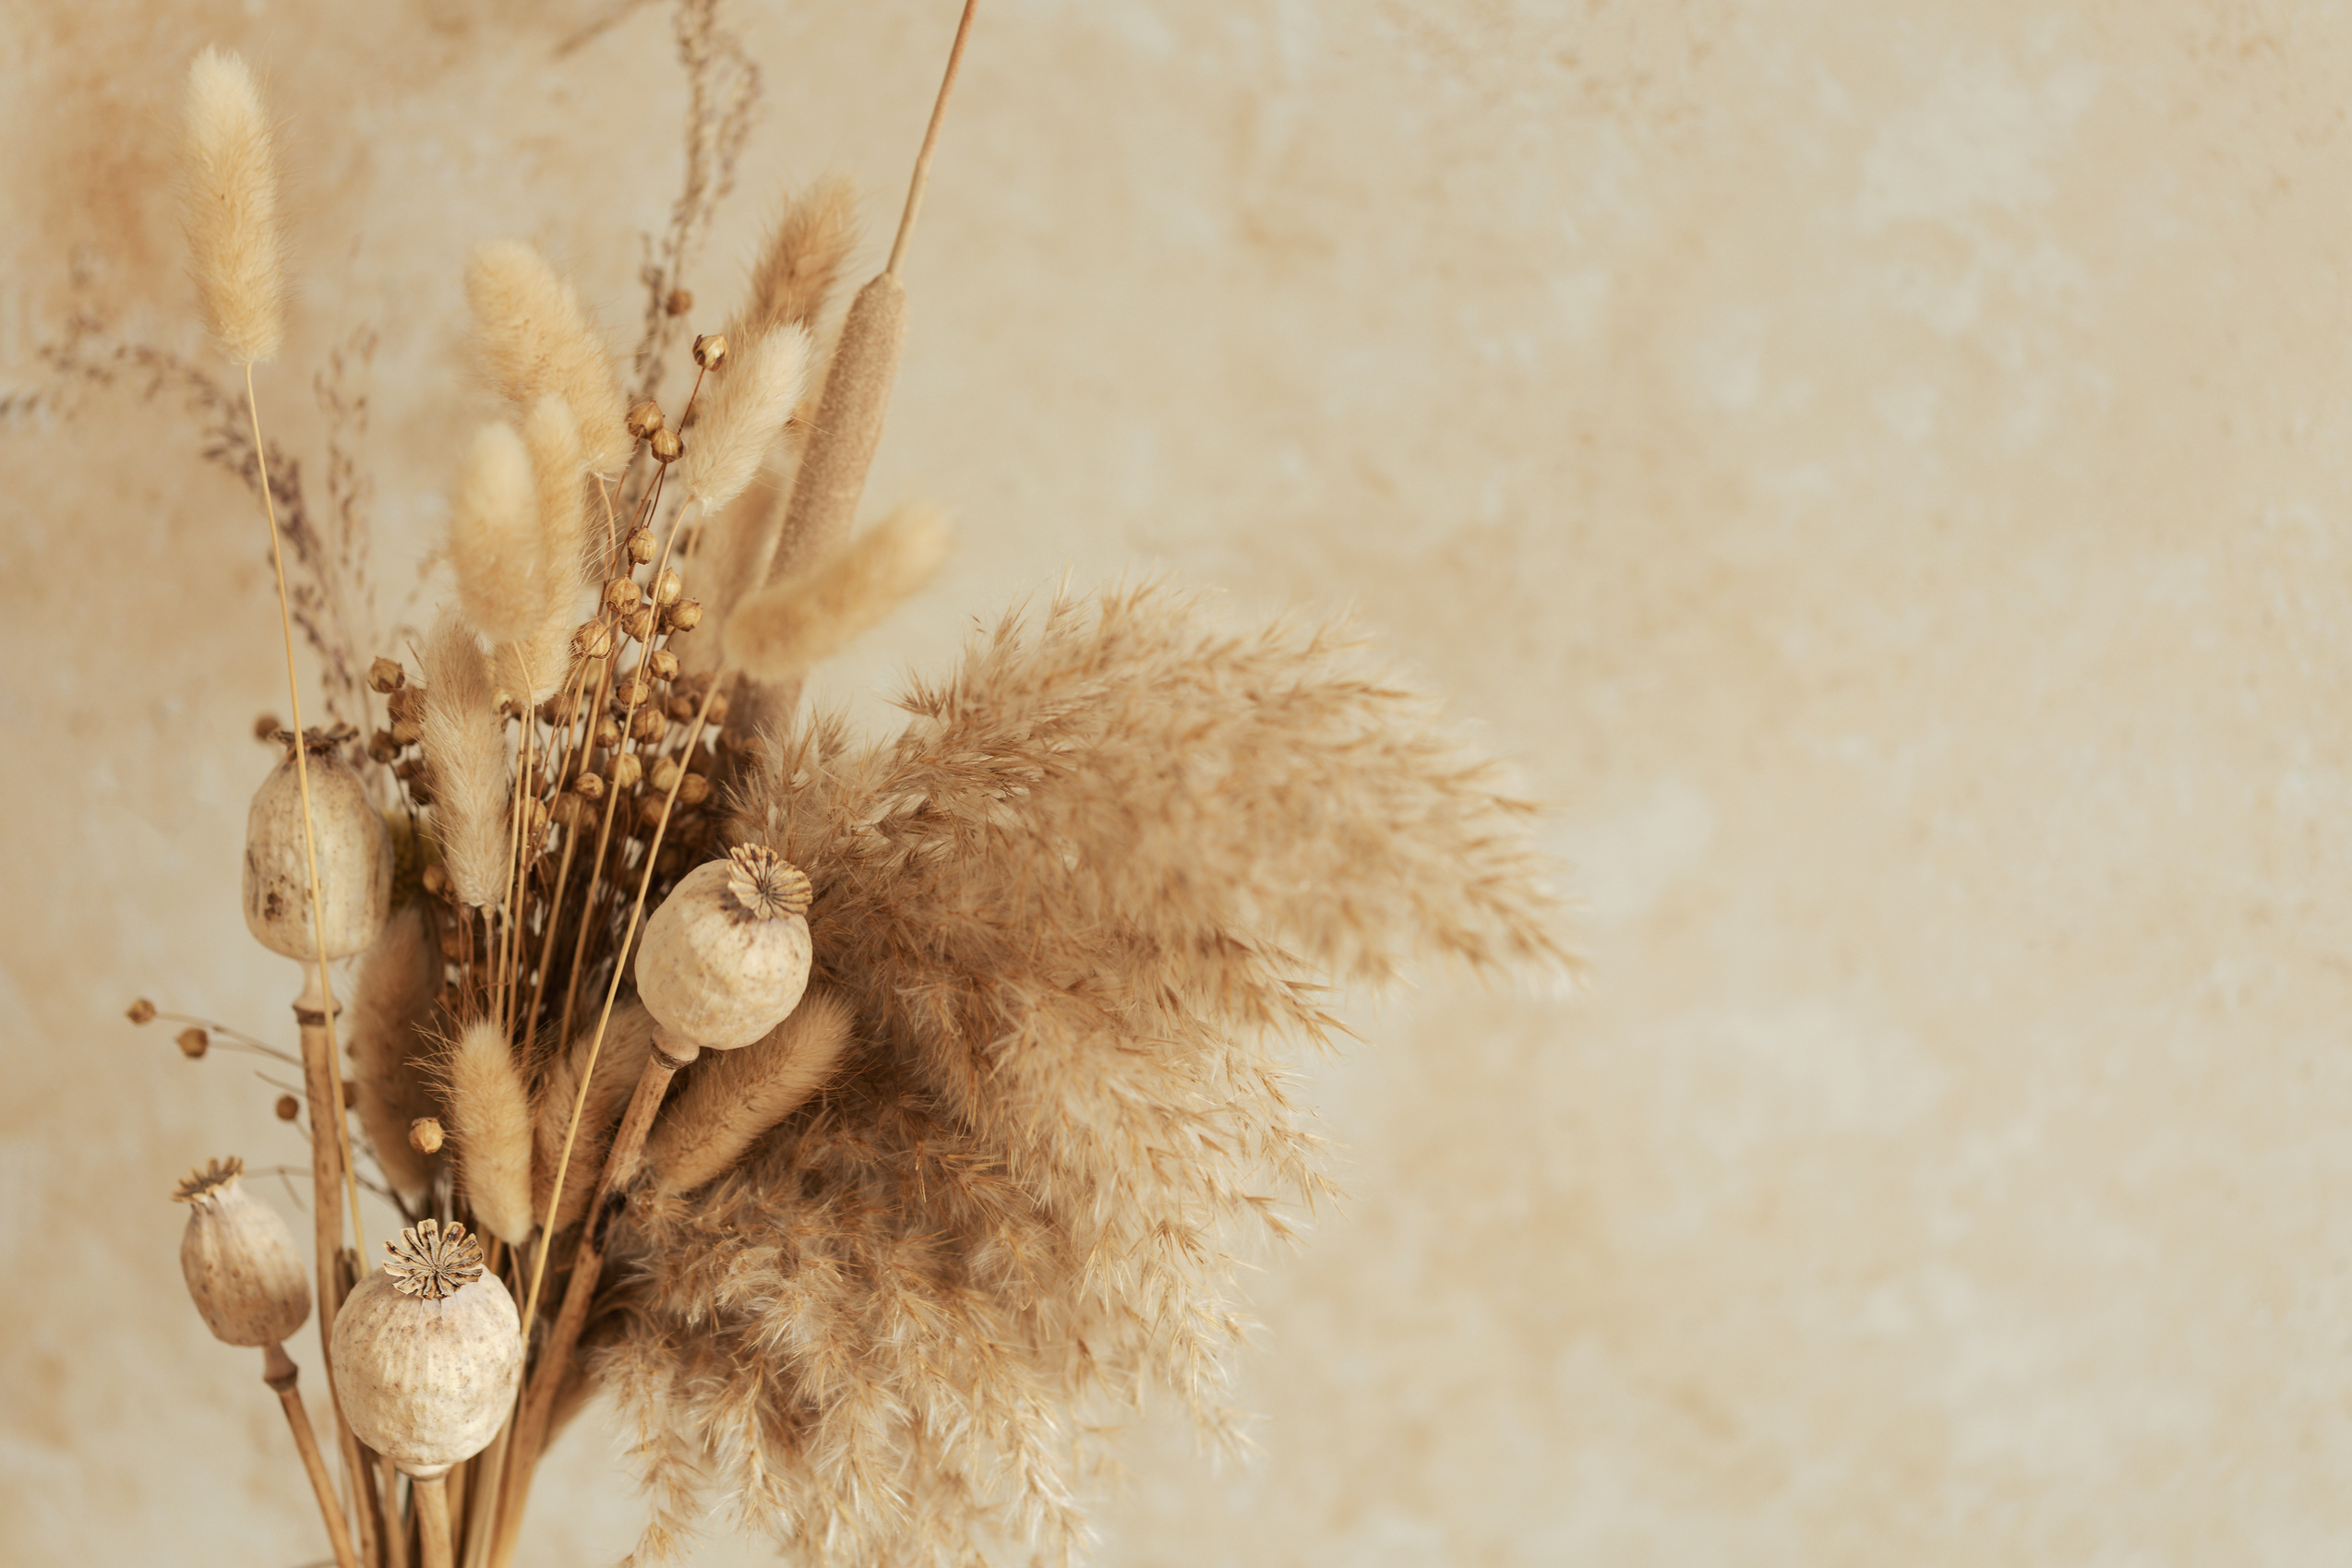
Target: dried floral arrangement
872, 1118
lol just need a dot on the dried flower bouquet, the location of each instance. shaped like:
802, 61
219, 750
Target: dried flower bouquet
870, 1117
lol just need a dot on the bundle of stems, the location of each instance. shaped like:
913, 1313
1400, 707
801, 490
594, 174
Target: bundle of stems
880, 1275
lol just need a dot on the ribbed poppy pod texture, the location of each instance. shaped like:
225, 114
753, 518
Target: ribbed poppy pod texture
238, 1257
725, 957
427, 1351
354, 858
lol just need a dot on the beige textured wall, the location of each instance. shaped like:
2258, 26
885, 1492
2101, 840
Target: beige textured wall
1882, 468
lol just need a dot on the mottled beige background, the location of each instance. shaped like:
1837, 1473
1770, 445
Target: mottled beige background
1881, 468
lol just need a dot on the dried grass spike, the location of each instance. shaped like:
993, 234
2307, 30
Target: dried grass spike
803, 258
491, 1112
629, 1041
230, 203
494, 537
535, 338
850, 422
787, 627
751, 394
465, 741
730, 1098
390, 1012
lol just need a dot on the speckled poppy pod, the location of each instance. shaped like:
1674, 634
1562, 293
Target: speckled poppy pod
354, 857
725, 957
427, 1351
239, 1259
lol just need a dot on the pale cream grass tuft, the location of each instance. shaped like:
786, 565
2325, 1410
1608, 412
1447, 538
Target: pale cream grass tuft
229, 192
803, 258
629, 1041
391, 1012
731, 559
494, 537
492, 1115
750, 396
535, 338
731, 1098
464, 739
535, 662
787, 627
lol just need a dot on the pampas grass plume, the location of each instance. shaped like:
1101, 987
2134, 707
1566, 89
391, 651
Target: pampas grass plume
753, 393
493, 1115
465, 743
397, 982
230, 197
535, 338
494, 536
788, 627
536, 661
730, 1097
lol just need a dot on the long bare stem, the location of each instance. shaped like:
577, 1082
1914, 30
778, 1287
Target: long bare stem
280, 1372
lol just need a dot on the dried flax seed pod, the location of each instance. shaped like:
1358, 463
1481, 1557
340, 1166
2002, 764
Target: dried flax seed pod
354, 858
725, 957
239, 1259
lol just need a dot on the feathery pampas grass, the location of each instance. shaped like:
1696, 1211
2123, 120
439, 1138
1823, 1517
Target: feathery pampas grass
803, 258
492, 1114
535, 338
788, 627
752, 393
230, 201
464, 737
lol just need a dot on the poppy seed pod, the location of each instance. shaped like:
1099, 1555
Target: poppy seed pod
725, 957
427, 1351
239, 1259
354, 857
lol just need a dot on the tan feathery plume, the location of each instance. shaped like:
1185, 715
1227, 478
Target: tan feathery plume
465, 741
731, 560
230, 199
752, 395
803, 258
731, 1098
390, 1012
536, 660
535, 338
494, 537
492, 1112
628, 1040
786, 627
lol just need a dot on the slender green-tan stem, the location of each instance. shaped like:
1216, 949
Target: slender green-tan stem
930, 139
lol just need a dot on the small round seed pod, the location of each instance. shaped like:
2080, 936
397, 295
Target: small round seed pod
665, 775
725, 957
141, 1011
607, 731
693, 789
669, 586
193, 1042
642, 547
682, 707
266, 728
625, 771
643, 419
709, 350
428, 1350
631, 689
425, 1135
661, 664
383, 746
686, 615
593, 640
622, 593
639, 623
386, 676
354, 858
239, 1259
591, 786
667, 448
680, 301
287, 1107
648, 725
